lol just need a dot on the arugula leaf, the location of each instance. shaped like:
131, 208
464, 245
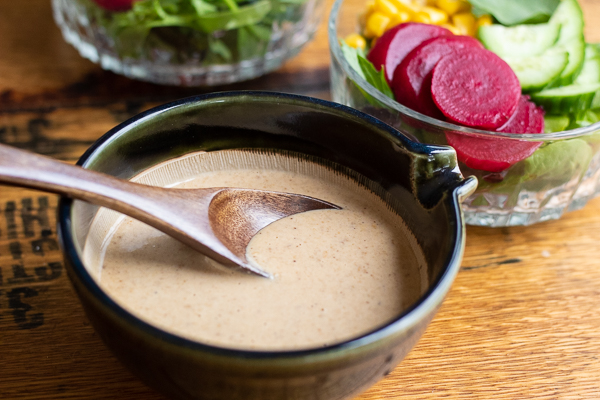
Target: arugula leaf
219, 48
356, 59
203, 7
351, 55
550, 166
374, 77
252, 41
182, 29
513, 12
227, 20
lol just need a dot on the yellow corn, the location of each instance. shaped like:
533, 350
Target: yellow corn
465, 23
368, 11
484, 20
423, 3
355, 40
381, 15
376, 25
422, 17
452, 7
386, 7
436, 16
406, 6
399, 18
451, 28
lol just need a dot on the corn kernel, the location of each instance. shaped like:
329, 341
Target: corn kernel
386, 7
452, 29
376, 24
484, 20
370, 6
399, 18
465, 22
452, 6
356, 41
406, 6
436, 15
422, 17
362, 19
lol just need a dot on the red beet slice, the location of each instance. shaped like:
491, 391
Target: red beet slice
391, 48
115, 5
412, 79
495, 155
475, 87
528, 118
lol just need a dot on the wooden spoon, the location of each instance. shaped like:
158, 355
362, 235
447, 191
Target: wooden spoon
218, 222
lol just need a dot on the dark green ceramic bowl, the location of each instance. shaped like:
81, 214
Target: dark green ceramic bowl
424, 180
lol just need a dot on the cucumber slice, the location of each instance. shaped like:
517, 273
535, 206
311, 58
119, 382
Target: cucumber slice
590, 72
537, 72
596, 101
556, 123
519, 40
567, 99
592, 50
569, 16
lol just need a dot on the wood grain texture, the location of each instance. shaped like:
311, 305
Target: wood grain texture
521, 322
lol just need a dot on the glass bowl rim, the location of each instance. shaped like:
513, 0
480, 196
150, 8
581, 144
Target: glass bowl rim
336, 52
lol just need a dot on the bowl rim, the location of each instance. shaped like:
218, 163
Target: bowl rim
409, 318
336, 53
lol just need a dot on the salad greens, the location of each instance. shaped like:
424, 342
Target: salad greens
358, 61
513, 12
551, 165
210, 31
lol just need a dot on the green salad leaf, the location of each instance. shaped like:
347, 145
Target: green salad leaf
357, 60
374, 77
195, 14
550, 166
211, 31
556, 123
513, 12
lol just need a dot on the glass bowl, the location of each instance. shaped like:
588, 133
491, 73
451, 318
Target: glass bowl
563, 174
225, 47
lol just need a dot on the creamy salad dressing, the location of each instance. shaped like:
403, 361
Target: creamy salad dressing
337, 273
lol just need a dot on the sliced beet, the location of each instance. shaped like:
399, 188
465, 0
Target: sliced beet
412, 79
391, 48
528, 118
475, 87
115, 5
495, 155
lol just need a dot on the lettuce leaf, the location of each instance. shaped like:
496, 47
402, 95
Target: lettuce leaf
357, 60
550, 166
513, 12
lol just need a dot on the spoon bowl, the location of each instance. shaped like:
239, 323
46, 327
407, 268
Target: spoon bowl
217, 222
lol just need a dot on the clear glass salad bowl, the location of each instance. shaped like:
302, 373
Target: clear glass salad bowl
163, 42
563, 174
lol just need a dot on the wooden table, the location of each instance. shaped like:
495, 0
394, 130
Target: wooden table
522, 320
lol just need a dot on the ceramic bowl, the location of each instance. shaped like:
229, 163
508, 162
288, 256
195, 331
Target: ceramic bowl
562, 175
221, 46
423, 179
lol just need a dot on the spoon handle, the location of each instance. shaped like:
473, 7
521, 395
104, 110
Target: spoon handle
173, 212
22, 168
